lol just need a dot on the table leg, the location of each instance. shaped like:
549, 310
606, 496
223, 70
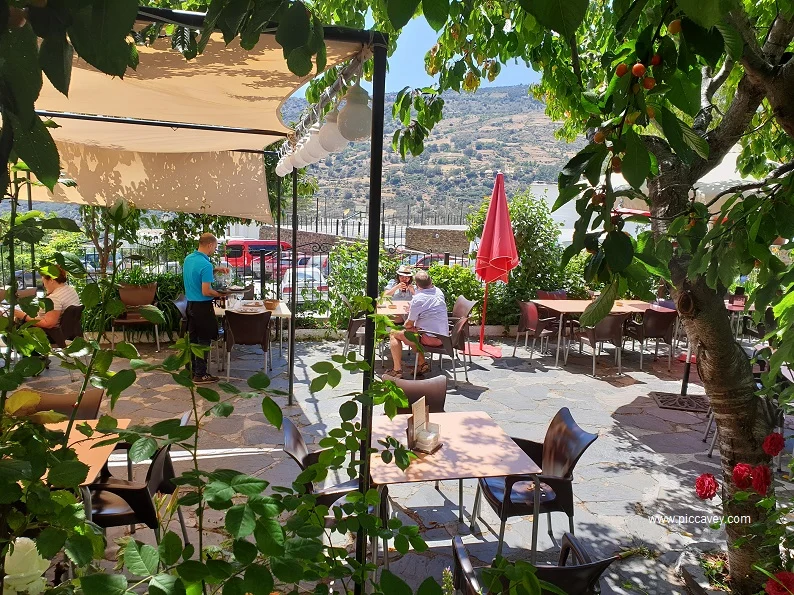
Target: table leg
559, 340
281, 337
535, 520
460, 500
86, 494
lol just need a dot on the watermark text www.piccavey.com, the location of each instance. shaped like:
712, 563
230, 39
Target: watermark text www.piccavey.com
698, 519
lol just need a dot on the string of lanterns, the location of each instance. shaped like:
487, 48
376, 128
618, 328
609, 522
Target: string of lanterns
353, 122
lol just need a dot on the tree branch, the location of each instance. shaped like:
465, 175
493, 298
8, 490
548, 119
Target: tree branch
777, 173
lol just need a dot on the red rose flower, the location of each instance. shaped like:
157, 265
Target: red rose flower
782, 584
742, 476
706, 486
762, 479
774, 443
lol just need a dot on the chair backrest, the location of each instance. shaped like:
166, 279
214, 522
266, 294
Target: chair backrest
137, 295
559, 294
156, 475
249, 292
166, 486
180, 303
26, 293
64, 403
434, 390
247, 329
462, 307
460, 333
71, 322
610, 328
353, 326
659, 324
529, 317
564, 444
294, 444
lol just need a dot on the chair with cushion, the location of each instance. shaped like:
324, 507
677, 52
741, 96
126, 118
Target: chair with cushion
609, 328
580, 578
511, 496
531, 324
247, 329
133, 297
655, 325
64, 403
450, 345
166, 486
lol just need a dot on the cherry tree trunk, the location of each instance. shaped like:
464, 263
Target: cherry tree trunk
724, 368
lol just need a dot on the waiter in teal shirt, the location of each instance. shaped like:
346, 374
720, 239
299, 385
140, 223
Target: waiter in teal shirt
198, 274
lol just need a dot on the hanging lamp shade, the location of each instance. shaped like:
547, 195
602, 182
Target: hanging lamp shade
330, 138
297, 159
313, 145
355, 119
283, 167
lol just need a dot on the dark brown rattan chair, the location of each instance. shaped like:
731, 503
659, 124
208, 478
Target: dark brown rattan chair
654, 325
64, 403
180, 303
581, 578
531, 323
450, 345
118, 502
510, 496
166, 486
247, 329
559, 294
462, 309
69, 327
133, 297
609, 328
248, 294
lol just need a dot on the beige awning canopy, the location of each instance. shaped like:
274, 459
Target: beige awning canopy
172, 168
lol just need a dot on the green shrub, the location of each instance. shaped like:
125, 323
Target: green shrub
455, 280
348, 276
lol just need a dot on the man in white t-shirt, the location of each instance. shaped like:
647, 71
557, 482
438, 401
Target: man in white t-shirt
62, 296
428, 312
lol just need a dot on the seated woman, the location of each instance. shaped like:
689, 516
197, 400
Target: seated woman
62, 296
401, 288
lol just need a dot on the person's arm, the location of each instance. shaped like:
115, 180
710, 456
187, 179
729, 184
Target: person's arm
206, 282
49, 320
223, 270
391, 287
409, 325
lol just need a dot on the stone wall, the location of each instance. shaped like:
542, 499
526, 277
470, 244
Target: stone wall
450, 238
305, 238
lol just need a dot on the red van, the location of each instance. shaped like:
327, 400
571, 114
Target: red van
245, 253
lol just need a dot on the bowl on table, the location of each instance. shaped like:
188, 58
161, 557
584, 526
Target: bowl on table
272, 304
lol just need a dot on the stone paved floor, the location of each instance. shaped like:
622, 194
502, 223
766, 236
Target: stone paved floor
643, 463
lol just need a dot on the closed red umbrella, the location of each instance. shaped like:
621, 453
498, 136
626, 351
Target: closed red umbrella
497, 254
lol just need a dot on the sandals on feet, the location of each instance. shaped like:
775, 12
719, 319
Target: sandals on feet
423, 369
393, 373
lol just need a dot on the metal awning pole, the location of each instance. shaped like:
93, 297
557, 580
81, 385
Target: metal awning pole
32, 246
373, 250
294, 293
277, 269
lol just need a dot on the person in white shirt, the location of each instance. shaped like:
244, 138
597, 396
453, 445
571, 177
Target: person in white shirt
428, 312
62, 296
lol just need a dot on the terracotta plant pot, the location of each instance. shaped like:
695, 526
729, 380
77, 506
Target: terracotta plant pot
137, 295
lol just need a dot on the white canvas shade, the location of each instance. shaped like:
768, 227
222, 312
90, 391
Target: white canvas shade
177, 169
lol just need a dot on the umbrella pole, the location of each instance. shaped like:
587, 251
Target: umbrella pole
482, 321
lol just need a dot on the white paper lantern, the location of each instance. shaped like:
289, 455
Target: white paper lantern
295, 158
355, 119
304, 152
313, 146
330, 138
283, 168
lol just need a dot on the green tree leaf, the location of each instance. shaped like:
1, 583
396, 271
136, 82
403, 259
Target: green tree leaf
619, 250
80, 551
259, 381
436, 12
601, 306
636, 161
55, 56
294, 28
141, 559
401, 11
193, 571
166, 584
118, 383
67, 474
258, 580
153, 314
348, 410
247, 485
142, 449
562, 16
35, 147
286, 570
392, 584
272, 412
211, 395
240, 521
684, 92
102, 583
170, 548
99, 31
90, 296
705, 13
50, 541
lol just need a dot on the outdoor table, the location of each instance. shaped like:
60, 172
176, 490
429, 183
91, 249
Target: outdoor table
281, 312
93, 456
396, 308
569, 307
473, 446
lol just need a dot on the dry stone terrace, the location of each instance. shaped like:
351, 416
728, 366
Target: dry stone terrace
642, 466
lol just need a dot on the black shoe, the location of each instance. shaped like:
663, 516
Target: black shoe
206, 379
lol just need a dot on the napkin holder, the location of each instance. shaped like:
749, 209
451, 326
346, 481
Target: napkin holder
422, 435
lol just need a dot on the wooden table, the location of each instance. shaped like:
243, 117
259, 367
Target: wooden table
569, 307
474, 446
93, 456
395, 308
281, 312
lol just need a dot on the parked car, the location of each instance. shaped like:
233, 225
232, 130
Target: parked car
244, 253
311, 285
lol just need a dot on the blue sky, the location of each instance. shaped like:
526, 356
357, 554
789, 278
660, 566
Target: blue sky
407, 64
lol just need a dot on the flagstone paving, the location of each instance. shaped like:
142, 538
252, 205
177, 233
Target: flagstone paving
644, 462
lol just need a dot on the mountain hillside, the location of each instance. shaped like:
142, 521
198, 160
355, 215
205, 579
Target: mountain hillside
496, 128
